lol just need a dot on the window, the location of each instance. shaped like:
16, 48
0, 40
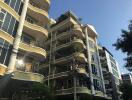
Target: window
12, 3
5, 51
2, 16
30, 19
7, 1
94, 69
27, 38
11, 26
97, 85
91, 44
8, 23
94, 57
17, 5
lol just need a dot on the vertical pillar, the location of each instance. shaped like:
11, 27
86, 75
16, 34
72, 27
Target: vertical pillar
89, 61
75, 92
17, 39
100, 68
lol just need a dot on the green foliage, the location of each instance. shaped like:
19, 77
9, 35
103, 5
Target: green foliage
126, 89
124, 43
42, 91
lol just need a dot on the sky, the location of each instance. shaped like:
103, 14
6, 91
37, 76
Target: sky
107, 16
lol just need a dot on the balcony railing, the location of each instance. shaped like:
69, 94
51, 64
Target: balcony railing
71, 91
77, 56
27, 76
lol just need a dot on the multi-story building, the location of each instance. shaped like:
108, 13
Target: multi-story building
127, 78
111, 73
23, 31
72, 66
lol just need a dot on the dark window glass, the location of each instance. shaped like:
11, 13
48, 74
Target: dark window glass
1, 42
17, 5
5, 51
7, 1
11, 26
2, 16
2, 56
0, 24
20, 9
6, 22
12, 4
8, 55
15, 29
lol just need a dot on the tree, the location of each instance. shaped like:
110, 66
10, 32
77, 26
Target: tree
124, 43
126, 89
36, 91
42, 91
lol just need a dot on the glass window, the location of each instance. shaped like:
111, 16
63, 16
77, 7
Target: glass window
2, 16
17, 5
7, 1
5, 51
15, 29
1, 42
11, 26
0, 24
94, 69
12, 4
8, 55
20, 9
2, 56
6, 22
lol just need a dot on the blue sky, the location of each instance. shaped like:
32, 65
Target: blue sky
108, 17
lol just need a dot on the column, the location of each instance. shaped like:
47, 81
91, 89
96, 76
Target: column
17, 39
100, 68
89, 61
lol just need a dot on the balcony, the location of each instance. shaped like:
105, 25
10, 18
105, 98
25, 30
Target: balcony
75, 30
78, 56
34, 50
91, 31
76, 43
71, 91
2, 69
36, 31
38, 14
104, 69
58, 75
27, 76
106, 81
44, 4
82, 71
99, 94
78, 31
69, 21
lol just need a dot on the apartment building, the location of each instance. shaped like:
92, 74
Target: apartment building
111, 73
127, 78
72, 66
23, 31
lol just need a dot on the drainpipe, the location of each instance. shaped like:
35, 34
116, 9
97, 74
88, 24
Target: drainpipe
17, 39
89, 61
100, 69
